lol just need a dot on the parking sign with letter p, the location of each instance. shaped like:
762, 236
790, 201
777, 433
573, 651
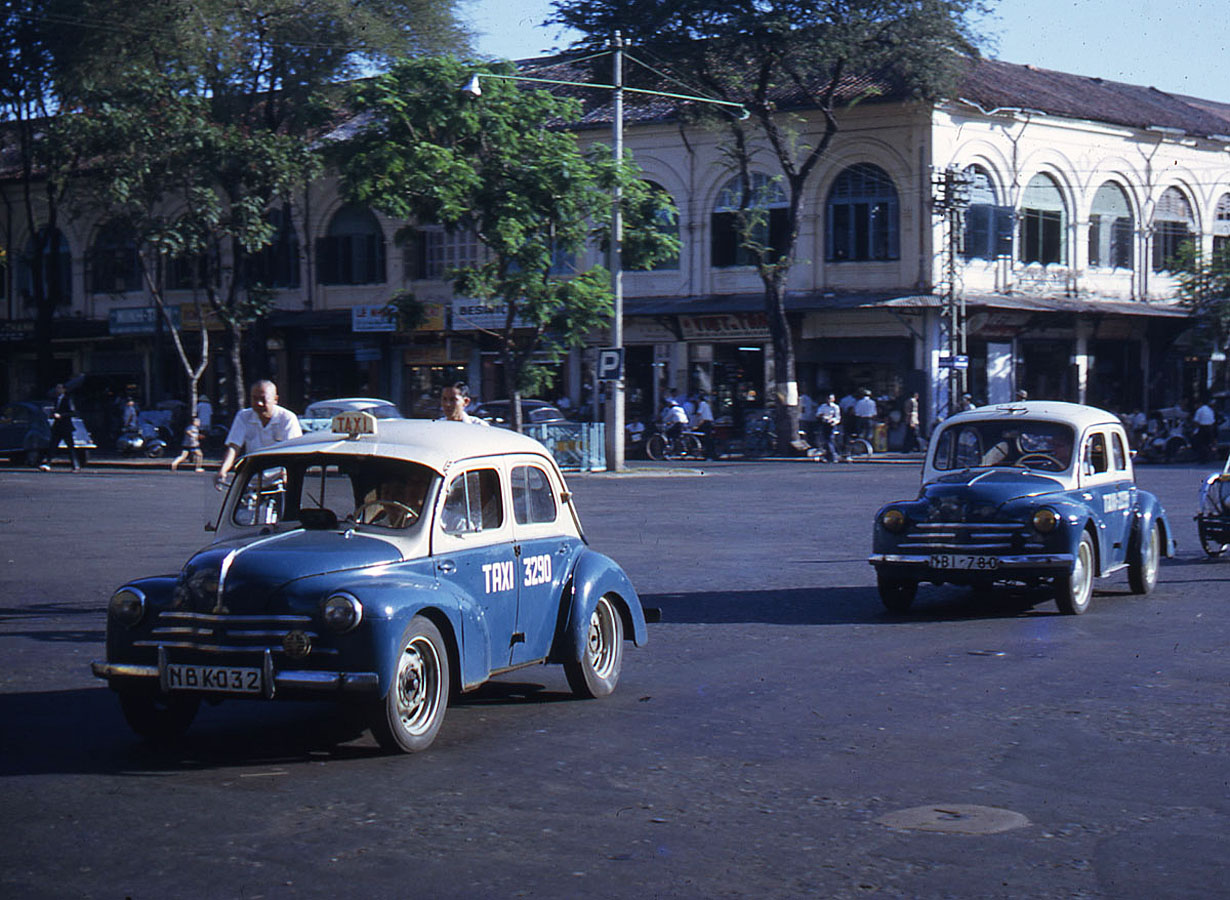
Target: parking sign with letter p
610, 364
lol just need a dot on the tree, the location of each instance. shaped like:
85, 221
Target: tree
191, 191
1204, 286
504, 167
782, 59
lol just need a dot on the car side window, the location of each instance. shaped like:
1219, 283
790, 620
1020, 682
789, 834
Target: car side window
533, 499
472, 503
1095, 460
1120, 454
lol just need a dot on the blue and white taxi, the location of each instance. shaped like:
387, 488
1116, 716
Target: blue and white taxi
1033, 493
385, 562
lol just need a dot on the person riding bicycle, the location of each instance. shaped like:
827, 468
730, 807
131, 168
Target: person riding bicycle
673, 419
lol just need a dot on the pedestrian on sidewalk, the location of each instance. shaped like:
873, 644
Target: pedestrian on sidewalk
61, 429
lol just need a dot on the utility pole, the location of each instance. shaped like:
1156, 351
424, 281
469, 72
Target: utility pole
615, 402
951, 199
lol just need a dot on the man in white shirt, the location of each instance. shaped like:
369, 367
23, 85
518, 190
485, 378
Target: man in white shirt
454, 401
865, 414
828, 422
1204, 419
262, 425
673, 418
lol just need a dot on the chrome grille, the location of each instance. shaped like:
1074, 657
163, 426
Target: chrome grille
212, 633
968, 537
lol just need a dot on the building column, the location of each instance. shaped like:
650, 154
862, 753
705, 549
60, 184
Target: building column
1080, 359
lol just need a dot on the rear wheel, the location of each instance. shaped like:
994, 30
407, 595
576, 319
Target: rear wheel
1142, 566
409, 717
1212, 545
596, 673
1074, 590
896, 595
158, 716
859, 448
692, 446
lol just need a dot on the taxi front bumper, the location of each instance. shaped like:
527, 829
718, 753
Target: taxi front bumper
1045, 563
312, 680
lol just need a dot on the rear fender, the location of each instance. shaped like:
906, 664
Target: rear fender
596, 576
1149, 510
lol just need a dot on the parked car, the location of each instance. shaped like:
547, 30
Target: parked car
25, 433
319, 415
385, 563
533, 412
1034, 493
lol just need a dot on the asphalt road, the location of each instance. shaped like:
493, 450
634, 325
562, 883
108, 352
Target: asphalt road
759, 745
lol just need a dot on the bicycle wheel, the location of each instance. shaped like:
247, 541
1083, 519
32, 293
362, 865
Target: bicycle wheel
656, 447
692, 446
859, 448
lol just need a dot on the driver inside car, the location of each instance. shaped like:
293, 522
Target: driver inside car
394, 503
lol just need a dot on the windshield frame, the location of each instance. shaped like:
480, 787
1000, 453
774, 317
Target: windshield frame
1001, 442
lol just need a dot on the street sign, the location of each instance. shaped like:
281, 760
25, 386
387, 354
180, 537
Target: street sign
610, 364
954, 362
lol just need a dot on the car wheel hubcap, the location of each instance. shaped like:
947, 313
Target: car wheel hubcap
1152, 552
601, 643
1082, 576
418, 686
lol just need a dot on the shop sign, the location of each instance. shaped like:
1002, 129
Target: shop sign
16, 331
373, 317
435, 316
188, 316
960, 361
367, 354
139, 319
639, 330
428, 355
997, 324
735, 326
473, 315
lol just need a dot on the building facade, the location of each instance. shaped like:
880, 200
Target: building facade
1041, 211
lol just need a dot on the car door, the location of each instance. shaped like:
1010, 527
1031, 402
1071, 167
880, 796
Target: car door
473, 549
1109, 498
545, 544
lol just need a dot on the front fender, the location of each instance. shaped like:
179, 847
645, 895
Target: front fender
159, 592
596, 576
388, 608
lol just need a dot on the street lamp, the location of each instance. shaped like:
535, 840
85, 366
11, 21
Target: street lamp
615, 403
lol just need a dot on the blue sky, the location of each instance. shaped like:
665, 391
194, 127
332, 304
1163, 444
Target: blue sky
1180, 46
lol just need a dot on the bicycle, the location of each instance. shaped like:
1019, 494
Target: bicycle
686, 444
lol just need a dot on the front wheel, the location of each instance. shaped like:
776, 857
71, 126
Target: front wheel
896, 595
1074, 590
1142, 566
1210, 543
859, 448
656, 447
410, 715
596, 673
158, 717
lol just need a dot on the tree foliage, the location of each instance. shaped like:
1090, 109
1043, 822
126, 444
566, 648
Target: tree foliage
1204, 286
783, 59
503, 167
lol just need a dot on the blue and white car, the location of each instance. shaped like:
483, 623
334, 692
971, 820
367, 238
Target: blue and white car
388, 563
1034, 493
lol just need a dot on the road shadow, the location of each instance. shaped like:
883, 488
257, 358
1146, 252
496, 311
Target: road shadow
83, 732
842, 606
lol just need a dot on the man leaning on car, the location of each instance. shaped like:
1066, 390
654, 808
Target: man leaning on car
262, 425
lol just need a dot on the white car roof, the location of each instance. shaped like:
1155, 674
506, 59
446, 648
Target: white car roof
351, 403
436, 444
1077, 415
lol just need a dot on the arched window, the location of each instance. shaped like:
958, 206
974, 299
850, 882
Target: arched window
1221, 225
666, 222
1110, 229
748, 216
352, 250
862, 216
115, 267
276, 265
1044, 221
1173, 226
988, 225
57, 269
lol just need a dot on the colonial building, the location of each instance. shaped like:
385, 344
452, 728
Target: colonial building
1074, 196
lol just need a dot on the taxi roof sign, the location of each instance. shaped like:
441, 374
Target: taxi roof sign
354, 424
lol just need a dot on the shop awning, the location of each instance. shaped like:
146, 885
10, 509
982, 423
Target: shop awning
711, 304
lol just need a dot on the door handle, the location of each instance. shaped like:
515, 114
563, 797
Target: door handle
563, 549
446, 566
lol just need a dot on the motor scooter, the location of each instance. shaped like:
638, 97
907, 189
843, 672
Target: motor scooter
145, 439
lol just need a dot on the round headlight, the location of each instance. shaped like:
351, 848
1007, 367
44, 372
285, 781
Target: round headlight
893, 520
342, 612
127, 606
1045, 520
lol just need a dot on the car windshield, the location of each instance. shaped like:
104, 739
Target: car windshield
329, 410
320, 490
1005, 442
